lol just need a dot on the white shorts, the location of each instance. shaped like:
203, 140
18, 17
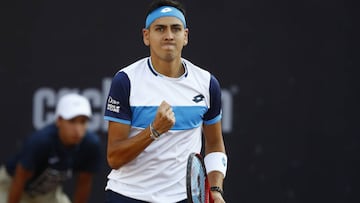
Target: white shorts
56, 196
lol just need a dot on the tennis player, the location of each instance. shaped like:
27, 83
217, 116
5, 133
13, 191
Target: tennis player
157, 108
51, 155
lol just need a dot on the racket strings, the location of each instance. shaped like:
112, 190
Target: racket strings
198, 178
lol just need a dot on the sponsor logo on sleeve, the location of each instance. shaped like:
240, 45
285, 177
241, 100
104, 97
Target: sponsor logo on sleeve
113, 105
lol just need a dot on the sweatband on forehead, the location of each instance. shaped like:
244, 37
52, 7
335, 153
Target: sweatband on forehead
164, 11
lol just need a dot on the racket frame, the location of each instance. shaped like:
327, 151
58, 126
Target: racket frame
198, 156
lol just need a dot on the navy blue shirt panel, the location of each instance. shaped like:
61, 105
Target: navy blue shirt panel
215, 99
120, 91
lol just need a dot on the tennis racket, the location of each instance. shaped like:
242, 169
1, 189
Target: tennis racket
197, 186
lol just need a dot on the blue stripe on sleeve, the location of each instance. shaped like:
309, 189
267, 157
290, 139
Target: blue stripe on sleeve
108, 118
214, 120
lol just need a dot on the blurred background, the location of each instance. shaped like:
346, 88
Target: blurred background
287, 69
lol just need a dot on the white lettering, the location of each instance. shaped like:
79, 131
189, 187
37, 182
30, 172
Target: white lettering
113, 108
113, 101
43, 98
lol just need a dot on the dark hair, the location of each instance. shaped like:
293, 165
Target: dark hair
159, 3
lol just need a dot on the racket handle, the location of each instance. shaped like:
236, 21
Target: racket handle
208, 198
211, 199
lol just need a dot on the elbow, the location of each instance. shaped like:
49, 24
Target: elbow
114, 161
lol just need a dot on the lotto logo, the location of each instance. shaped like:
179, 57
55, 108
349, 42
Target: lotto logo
165, 10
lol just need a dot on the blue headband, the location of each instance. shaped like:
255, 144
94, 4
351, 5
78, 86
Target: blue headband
164, 11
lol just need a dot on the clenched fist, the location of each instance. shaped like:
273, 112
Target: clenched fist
164, 118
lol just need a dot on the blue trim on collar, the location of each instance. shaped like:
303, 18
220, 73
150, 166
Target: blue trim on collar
186, 69
151, 68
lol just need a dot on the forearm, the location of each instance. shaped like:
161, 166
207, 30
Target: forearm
215, 159
15, 193
18, 184
120, 152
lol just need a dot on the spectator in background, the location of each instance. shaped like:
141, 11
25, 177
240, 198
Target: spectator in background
158, 108
52, 155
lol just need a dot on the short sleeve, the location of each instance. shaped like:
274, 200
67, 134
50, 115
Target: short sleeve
213, 115
117, 107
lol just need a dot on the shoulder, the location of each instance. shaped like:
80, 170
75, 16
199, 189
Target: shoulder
200, 70
124, 74
193, 67
141, 63
40, 142
198, 73
45, 135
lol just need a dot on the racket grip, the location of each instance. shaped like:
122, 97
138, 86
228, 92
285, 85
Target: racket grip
211, 199
208, 198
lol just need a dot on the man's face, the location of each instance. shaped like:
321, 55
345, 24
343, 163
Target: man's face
166, 38
72, 131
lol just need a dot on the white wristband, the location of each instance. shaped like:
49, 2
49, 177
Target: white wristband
216, 161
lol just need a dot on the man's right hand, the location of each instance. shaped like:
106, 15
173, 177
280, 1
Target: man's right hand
164, 118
